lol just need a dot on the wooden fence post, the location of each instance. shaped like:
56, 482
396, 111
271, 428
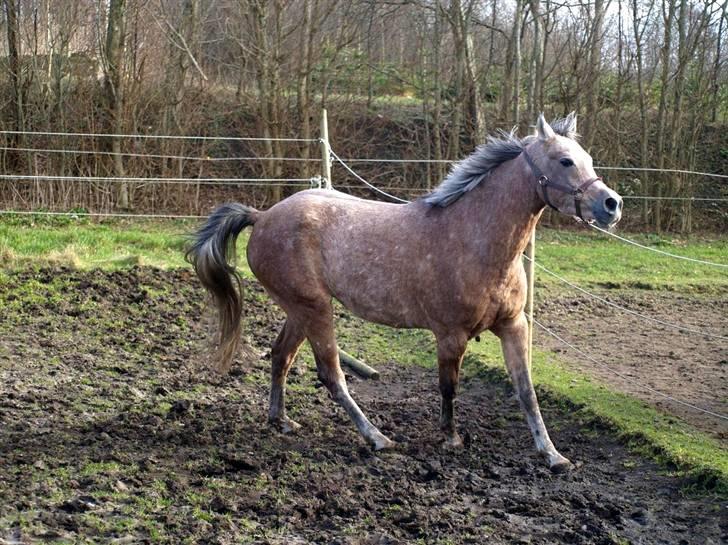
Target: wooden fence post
325, 150
530, 266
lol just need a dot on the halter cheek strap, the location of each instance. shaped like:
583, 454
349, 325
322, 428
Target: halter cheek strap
544, 182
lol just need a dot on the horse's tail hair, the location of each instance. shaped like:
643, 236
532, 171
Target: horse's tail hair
212, 254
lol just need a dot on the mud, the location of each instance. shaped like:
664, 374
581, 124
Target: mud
685, 365
110, 432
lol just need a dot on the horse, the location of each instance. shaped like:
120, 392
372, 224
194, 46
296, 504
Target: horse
449, 262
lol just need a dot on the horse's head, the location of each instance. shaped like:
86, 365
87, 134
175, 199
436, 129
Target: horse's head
566, 178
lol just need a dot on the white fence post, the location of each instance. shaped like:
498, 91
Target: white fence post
325, 150
530, 266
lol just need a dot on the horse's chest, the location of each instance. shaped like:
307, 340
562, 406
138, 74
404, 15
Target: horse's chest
498, 302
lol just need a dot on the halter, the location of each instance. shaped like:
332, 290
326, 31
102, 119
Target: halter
544, 182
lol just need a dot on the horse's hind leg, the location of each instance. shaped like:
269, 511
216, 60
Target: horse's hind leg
320, 333
284, 352
514, 340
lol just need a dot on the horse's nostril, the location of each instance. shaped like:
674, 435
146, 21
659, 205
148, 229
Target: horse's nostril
611, 204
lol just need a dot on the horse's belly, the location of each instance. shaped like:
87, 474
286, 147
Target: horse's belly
373, 307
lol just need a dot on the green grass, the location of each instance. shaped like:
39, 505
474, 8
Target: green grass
84, 244
594, 258
583, 257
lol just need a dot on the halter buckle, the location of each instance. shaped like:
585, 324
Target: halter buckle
543, 180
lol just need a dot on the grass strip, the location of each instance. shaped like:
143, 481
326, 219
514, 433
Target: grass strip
87, 244
591, 258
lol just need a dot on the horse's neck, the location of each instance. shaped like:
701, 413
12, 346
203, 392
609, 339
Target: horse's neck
498, 216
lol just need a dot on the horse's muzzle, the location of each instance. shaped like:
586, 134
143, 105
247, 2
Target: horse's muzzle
607, 208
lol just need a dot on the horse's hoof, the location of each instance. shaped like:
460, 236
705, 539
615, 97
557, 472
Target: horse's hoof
285, 424
453, 442
559, 465
382, 442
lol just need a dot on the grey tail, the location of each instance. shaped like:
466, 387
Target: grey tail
212, 254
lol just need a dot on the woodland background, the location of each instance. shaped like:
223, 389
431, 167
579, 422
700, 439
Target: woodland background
421, 79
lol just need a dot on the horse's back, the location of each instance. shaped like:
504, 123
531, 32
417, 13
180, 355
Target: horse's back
324, 243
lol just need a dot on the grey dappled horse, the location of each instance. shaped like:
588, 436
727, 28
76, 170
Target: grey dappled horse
449, 262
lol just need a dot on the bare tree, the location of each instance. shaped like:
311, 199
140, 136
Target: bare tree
14, 64
640, 21
113, 54
593, 71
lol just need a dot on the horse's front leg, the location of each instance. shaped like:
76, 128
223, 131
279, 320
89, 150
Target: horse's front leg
514, 341
450, 350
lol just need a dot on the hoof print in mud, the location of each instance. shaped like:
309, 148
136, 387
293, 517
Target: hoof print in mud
81, 504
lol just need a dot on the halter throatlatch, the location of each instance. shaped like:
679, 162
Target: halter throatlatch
544, 182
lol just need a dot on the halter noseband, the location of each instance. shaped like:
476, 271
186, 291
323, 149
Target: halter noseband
544, 182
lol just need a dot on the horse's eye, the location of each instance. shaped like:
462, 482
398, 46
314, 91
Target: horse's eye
567, 162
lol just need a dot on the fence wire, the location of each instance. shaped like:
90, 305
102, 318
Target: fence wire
293, 182
160, 136
159, 155
370, 186
97, 214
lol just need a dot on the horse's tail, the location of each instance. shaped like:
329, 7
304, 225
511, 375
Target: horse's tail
212, 254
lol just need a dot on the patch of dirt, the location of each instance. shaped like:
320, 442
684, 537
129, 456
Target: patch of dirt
110, 432
684, 365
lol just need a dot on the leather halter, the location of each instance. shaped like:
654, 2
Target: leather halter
544, 182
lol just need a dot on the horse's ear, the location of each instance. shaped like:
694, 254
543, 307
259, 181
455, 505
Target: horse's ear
543, 129
571, 123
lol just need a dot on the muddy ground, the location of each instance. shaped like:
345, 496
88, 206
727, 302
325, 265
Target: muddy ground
685, 365
110, 432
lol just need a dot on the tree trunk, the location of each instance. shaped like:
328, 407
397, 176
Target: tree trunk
114, 88
437, 91
265, 81
535, 71
184, 40
459, 46
510, 95
14, 63
594, 73
644, 122
715, 76
303, 83
668, 17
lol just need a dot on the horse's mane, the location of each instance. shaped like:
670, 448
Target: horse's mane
468, 173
